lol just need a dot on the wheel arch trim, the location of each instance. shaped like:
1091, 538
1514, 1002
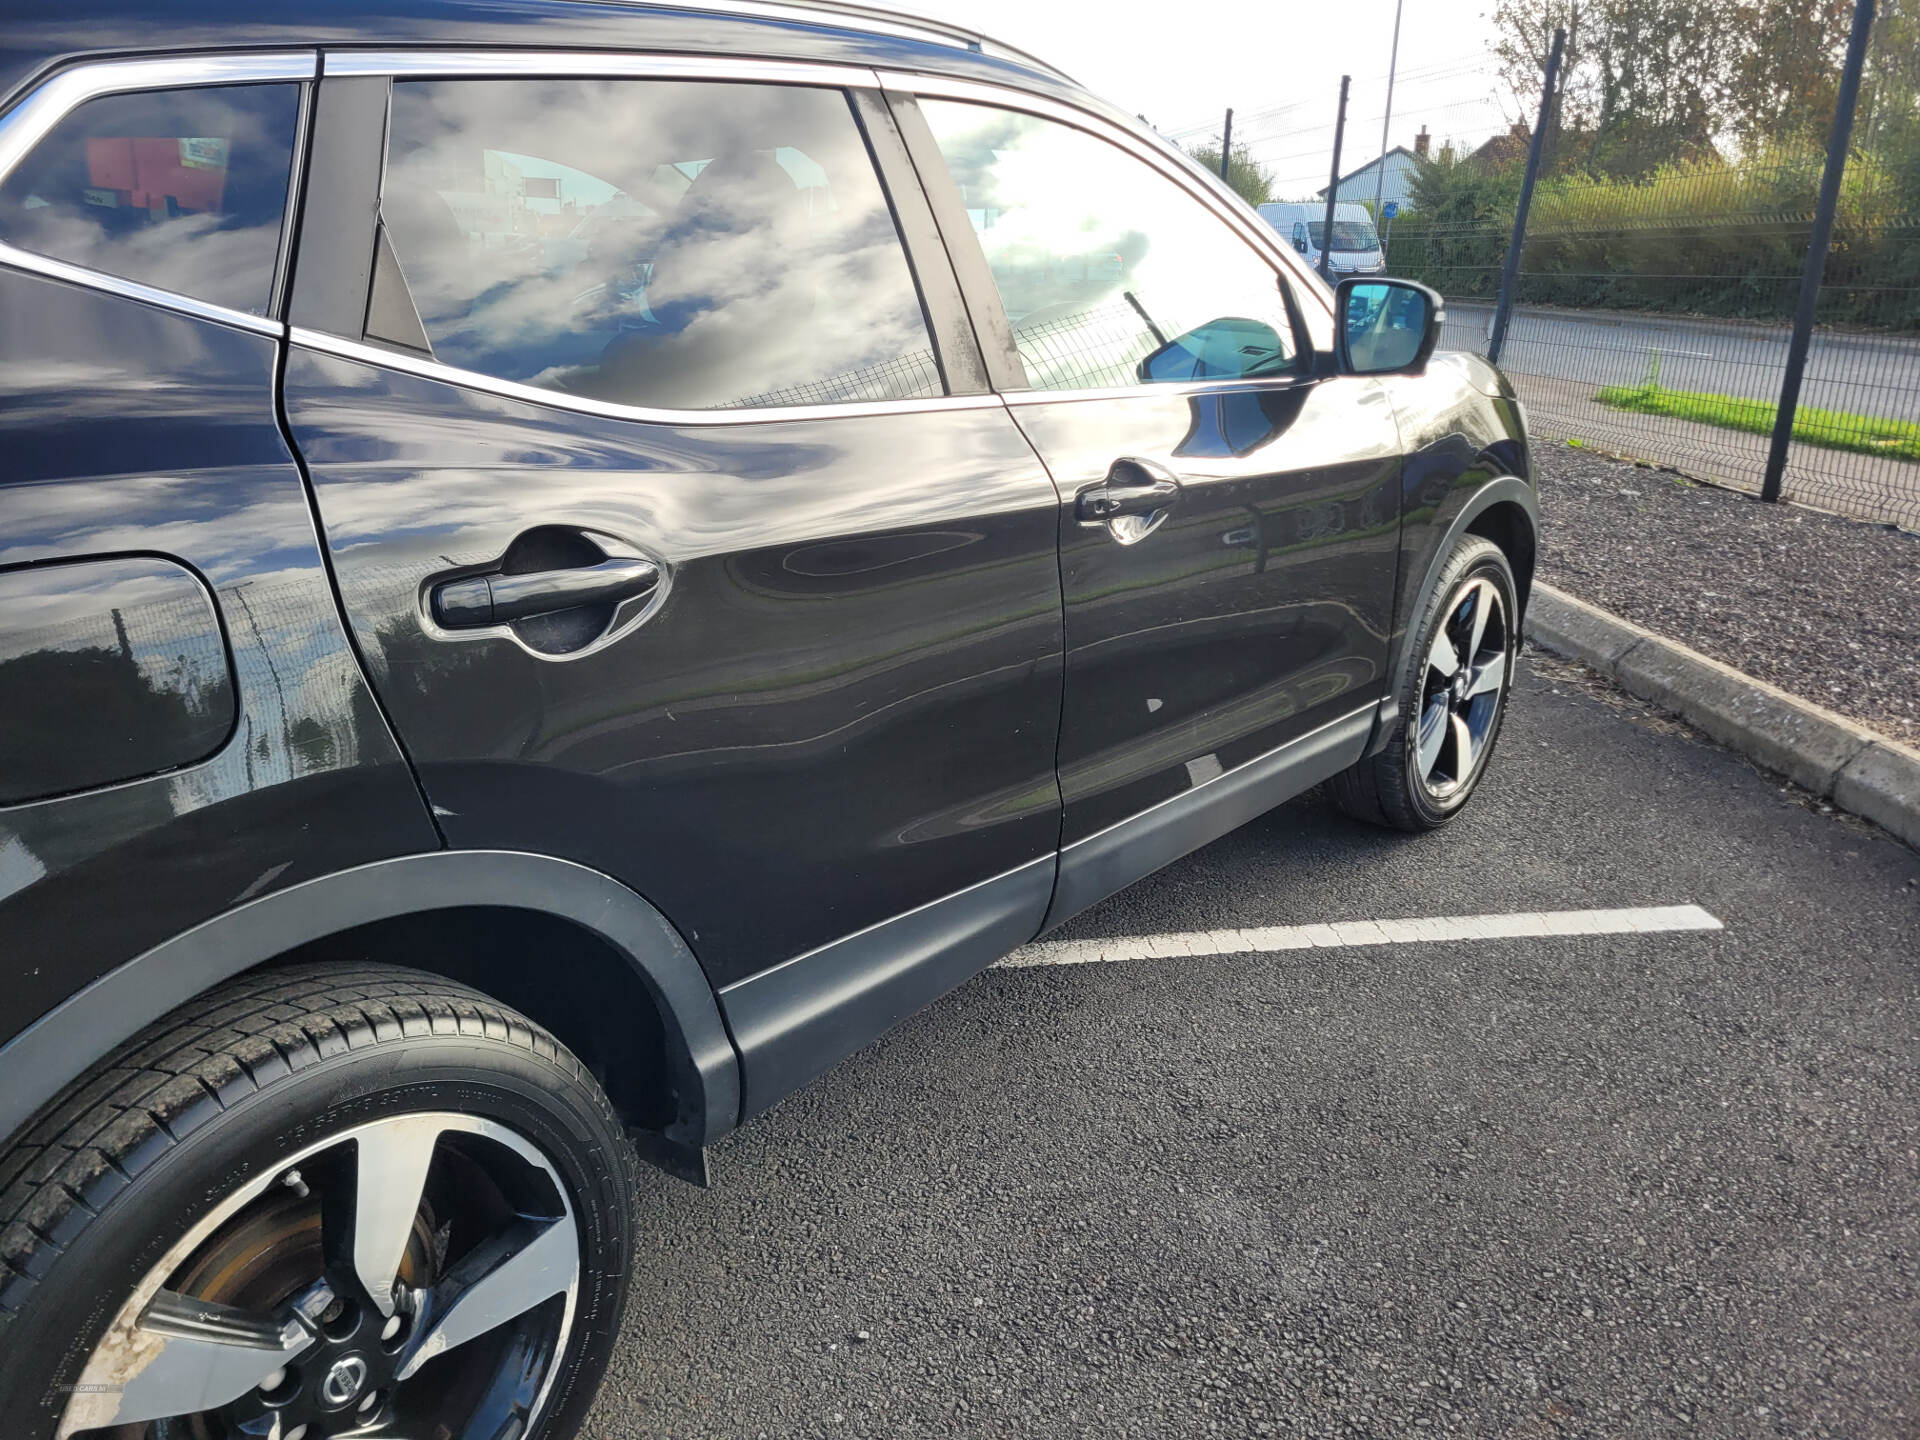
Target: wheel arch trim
59, 1047
1503, 489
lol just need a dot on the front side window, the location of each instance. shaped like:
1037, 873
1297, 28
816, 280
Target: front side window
1112, 274
183, 190
672, 244
1347, 235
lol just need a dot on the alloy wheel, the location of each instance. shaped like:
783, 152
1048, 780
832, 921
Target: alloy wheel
415, 1275
1463, 689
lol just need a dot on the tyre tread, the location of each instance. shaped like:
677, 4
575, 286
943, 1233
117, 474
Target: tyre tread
95, 1139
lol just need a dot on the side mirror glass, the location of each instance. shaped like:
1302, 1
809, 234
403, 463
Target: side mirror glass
1387, 327
1300, 244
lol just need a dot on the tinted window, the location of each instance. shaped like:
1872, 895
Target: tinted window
180, 189
1111, 273
659, 243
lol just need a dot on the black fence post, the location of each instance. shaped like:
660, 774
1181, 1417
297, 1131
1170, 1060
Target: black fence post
1510, 271
1816, 267
1226, 143
1333, 184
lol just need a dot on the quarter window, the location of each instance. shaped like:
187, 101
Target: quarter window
183, 190
1111, 274
689, 245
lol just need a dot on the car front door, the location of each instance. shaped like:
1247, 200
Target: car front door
674, 542
1231, 511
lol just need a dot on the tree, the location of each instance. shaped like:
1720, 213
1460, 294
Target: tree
1247, 178
1644, 82
1786, 74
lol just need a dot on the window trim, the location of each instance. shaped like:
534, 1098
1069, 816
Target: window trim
30, 121
445, 64
425, 369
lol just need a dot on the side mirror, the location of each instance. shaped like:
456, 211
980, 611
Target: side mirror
1386, 327
1300, 244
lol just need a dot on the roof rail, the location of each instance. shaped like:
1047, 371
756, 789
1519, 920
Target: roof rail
874, 19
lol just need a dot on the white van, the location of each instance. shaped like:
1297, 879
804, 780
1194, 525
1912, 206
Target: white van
1356, 245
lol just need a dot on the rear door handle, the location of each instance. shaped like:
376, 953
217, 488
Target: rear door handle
499, 599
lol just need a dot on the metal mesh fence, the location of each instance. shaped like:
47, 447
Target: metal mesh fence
913, 376
1683, 365
1652, 310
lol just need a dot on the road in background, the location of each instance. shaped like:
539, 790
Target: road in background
1860, 374
1600, 1185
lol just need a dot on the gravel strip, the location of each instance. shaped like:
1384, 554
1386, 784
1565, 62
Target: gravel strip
1826, 607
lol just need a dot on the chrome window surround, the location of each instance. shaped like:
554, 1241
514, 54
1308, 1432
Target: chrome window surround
47, 104
359, 350
575, 64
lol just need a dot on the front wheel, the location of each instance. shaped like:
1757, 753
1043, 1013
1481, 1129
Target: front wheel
320, 1202
1452, 700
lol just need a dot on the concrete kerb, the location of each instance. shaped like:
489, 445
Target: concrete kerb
1858, 769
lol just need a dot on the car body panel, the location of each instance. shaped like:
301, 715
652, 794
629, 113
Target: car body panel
117, 668
1256, 611
845, 707
128, 429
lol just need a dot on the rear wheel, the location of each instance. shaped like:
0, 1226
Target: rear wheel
331, 1201
1453, 699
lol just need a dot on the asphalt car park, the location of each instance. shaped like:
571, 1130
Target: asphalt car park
1604, 1184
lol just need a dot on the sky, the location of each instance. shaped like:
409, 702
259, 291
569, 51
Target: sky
1277, 62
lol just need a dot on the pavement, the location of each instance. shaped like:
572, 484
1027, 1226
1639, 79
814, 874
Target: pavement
1521, 1185
1859, 769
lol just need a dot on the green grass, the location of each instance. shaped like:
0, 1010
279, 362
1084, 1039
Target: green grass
1835, 429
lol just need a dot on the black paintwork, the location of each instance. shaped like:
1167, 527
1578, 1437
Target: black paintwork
830, 731
1257, 610
113, 668
125, 428
846, 705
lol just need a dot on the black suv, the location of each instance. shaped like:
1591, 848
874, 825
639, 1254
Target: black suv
562, 567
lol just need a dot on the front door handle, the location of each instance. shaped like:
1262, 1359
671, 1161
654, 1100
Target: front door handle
499, 599
1132, 501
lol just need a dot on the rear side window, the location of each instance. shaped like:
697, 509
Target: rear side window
685, 245
183, 190
1112, 275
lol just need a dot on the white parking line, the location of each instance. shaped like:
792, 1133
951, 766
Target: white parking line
1342, 934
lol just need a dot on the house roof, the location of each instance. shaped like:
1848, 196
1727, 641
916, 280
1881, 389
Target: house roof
1372, 164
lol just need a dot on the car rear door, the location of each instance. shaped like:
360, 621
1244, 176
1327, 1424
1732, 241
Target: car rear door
1230, 511
666, 496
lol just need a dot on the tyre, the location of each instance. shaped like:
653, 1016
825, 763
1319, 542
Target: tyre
1453, 701
319, 1201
